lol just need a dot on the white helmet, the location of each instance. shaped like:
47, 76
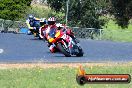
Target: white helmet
52, 19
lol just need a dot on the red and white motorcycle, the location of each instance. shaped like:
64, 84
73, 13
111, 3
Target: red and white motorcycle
66, 43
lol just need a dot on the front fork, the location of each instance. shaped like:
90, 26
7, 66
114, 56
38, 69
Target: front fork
71, 44
74, 46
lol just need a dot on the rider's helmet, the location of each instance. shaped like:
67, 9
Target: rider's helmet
31, 17
51, 21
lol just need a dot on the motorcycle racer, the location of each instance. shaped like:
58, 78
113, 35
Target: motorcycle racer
62, 41
32, 22
51, 33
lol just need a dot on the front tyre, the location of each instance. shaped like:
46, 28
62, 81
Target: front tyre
80, 54
62, 48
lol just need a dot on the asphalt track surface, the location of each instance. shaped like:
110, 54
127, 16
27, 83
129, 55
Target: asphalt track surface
22, 48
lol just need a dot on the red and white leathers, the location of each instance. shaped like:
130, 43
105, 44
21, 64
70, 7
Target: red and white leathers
51, 30
50, 33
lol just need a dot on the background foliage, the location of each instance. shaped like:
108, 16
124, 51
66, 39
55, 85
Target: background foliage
122, 11
85, 13
57, 5
13, 9
39, 11
82, 13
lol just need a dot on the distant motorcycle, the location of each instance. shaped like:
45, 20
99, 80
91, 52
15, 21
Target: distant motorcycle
65, 42
36, 30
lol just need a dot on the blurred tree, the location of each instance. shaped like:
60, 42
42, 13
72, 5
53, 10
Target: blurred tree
81, 12
57, 5
84, 13
13, 9
90, 18
74, 13
122, 11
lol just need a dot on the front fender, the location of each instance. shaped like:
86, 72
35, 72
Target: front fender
63, 42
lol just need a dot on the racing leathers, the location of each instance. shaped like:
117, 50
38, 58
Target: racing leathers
32, 24
50, 33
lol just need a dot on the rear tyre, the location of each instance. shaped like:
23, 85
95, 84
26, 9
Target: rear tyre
63, 50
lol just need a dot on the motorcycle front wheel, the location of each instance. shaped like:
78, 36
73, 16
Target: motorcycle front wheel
62, 48
80, 54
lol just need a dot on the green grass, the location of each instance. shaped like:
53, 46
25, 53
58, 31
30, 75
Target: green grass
57, 77
115, 33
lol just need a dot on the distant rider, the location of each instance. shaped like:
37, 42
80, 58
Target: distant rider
32, 22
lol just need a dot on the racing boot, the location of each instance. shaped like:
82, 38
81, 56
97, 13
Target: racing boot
48, 44
52, 48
